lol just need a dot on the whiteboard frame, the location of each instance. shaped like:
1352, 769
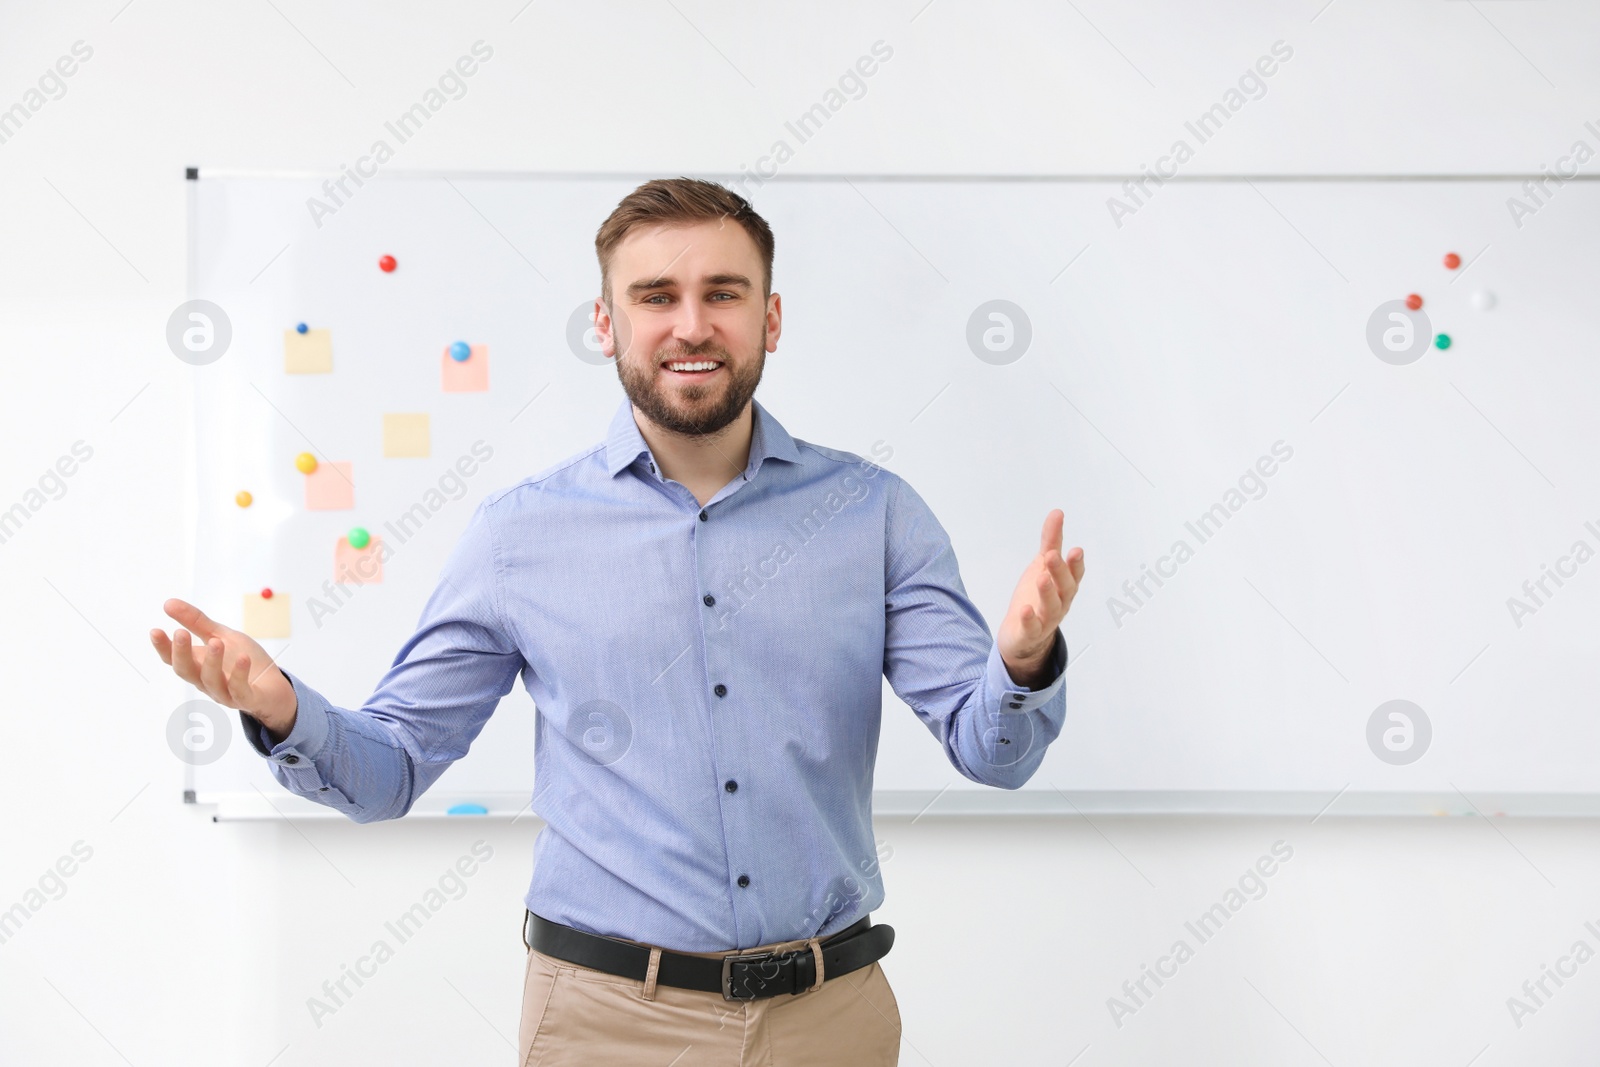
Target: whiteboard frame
963, 802
818, 176
914, 804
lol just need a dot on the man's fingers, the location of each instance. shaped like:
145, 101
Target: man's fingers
239, 682
211, 670
1070, 564
1055, 580
1049, 592
1050, 536
1057, 566
163, 646
183, 660
1064, 575
195, 620
1061, 572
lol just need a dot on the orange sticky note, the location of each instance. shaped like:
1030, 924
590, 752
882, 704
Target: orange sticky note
307, 353
470, 375
405, 435
266, 616
331, 487
358, 566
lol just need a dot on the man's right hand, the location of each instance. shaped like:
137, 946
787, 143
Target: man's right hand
252, 683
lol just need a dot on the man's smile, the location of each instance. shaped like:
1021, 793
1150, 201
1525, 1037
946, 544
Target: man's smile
693, 370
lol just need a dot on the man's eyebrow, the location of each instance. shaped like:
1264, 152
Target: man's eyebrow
651, 284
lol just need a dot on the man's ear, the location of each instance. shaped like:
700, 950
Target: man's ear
774, 321
603, 329
608, 329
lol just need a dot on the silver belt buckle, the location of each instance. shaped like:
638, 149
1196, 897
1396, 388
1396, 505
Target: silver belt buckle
727, 972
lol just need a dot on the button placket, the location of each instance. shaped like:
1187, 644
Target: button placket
717, 656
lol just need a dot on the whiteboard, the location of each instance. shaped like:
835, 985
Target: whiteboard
1220, 328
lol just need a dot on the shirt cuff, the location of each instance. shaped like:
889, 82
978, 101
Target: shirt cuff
1006, 695
308, 737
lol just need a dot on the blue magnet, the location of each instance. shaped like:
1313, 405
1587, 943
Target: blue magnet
460, 351
299, 327
468, 809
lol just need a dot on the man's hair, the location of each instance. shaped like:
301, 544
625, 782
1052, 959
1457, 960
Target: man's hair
674, 200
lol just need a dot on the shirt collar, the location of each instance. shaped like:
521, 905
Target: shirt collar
768, 439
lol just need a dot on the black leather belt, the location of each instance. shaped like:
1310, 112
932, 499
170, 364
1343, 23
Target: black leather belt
737, 976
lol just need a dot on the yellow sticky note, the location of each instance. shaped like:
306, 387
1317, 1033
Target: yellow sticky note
331, 487
470, 375
266, 616
358, 566
405, 435
307, 353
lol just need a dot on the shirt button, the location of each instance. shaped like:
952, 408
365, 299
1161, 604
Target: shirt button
652, 468
731, 786
1016, 703
744, 880
291, 758
720, 689
702, 516
709, 599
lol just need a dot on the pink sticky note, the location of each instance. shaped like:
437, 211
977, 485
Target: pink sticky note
330, 487
358, 566
470, 375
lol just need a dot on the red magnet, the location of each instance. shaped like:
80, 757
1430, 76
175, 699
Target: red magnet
266, 594
1413, 301
386, 264
1452, 260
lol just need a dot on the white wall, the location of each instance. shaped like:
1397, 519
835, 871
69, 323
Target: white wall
185, 942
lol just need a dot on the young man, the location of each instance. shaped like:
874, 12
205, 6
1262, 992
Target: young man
702, 608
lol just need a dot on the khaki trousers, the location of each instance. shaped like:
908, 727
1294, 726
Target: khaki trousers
574, 1015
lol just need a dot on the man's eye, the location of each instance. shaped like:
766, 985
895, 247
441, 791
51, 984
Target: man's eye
656, 297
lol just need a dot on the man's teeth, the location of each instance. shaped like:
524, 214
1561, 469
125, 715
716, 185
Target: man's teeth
705, 365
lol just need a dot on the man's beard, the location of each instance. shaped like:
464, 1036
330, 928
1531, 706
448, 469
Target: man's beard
642, 381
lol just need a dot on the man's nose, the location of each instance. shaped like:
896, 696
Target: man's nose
693, 326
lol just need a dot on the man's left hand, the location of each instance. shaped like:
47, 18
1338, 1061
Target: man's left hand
1040, 603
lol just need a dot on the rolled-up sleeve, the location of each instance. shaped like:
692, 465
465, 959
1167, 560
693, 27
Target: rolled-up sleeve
372, 763
941, 659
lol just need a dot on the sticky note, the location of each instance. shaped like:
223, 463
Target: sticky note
406, 435
266, 616
307, 353
331, 487
470, 375
358, 566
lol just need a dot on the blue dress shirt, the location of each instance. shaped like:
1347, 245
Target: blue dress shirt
707, 682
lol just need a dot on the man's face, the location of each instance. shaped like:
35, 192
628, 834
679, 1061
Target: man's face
689, 293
